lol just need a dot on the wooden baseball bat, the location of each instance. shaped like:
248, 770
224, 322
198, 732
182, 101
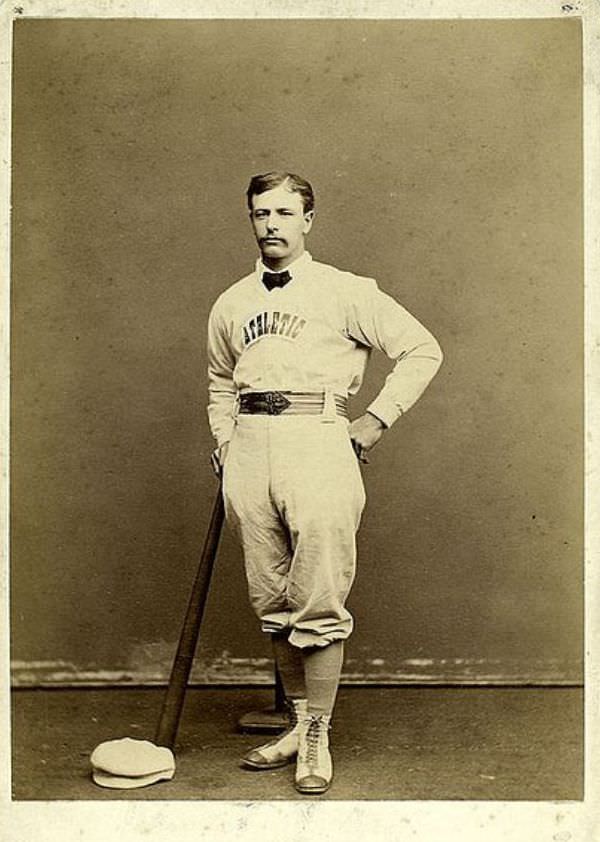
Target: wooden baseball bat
168, 724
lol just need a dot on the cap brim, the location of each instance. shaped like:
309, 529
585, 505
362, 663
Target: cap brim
120, 782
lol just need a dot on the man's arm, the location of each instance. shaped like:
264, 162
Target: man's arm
221, 389
377, 320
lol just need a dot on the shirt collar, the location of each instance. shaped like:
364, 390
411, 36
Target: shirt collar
296, 268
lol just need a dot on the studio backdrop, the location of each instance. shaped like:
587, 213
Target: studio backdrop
446, 159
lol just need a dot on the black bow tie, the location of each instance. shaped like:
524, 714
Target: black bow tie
276, 279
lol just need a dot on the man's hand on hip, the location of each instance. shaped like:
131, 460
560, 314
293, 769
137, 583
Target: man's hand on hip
365, 432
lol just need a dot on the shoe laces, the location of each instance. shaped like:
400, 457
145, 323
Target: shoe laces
313, 733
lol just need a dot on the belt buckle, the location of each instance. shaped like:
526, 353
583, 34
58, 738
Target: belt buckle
276, 403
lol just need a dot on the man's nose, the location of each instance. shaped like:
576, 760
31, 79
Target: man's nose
271, 223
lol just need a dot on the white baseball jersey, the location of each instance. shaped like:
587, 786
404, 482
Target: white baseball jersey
312, 335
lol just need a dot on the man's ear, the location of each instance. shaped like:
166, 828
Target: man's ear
308, 220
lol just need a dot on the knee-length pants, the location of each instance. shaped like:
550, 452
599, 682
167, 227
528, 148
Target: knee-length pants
294, 495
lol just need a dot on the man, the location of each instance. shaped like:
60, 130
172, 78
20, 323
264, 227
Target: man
287, 344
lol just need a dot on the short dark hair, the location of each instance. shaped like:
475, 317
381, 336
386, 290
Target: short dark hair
269, 180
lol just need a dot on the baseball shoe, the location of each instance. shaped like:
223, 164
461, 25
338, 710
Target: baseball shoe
281, 751
314, 769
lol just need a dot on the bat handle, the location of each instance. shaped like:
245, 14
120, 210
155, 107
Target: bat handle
168, 724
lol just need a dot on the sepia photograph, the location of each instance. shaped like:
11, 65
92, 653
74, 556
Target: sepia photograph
296, 504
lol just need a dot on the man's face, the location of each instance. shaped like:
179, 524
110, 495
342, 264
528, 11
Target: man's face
280, 225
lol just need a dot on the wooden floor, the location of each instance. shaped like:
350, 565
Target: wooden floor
416, 743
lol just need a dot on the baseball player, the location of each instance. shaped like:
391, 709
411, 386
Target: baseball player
287, 345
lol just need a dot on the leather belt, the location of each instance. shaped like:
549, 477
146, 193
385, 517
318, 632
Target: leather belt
290, 403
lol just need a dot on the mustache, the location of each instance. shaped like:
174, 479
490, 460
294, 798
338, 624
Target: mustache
278, 239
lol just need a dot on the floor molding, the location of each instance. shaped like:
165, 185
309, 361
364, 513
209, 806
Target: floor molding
227, 670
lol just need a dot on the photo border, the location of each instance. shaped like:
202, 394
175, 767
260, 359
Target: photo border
559, 821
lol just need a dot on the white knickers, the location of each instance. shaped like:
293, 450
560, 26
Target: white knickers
294, 494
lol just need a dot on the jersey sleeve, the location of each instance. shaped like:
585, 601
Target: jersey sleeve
378, 321
221, 389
